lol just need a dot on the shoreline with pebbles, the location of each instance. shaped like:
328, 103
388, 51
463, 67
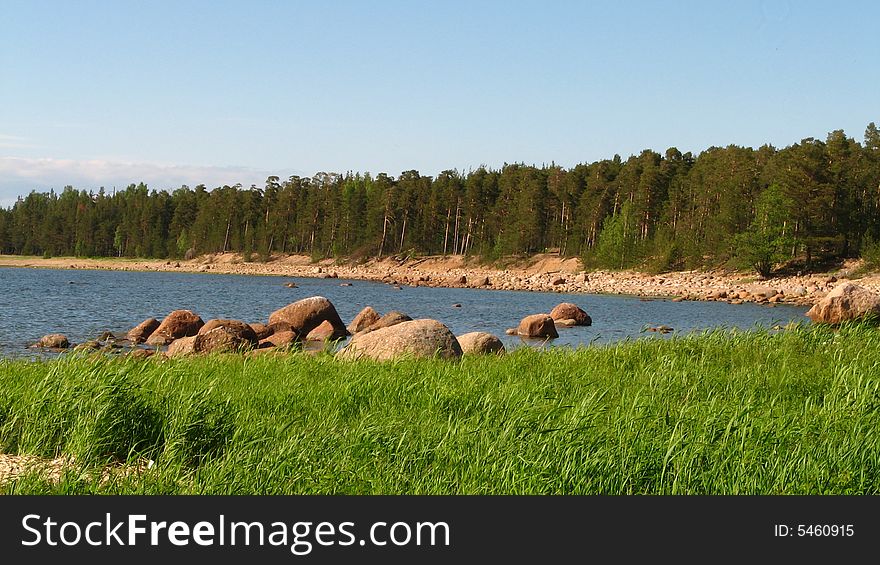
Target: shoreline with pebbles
543, 273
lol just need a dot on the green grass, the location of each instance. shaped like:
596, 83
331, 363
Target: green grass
721, 413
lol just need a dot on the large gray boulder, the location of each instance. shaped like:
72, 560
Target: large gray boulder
480, 343
307, 314
846, 302
415, 338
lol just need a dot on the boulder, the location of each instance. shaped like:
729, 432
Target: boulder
537, 325
846, 302
242, 330
107, 336
326, 332
180, 323
181, 346
481, 281
284, 338
280, 327
764, 292
307, 314
415, 338
53, 341
221, 339
479, 343
390, 319
142, 331
557, 281
262, 330
138, 353
569, 311
91, 345
365, 318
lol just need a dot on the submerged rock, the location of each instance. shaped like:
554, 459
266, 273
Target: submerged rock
138, 353
537, 325
569, 311
53, 341
91, 345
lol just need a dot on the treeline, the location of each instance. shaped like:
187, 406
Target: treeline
809, 203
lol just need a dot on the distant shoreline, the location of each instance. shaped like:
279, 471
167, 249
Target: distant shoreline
547, 273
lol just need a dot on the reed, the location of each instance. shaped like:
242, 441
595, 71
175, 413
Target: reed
757, 412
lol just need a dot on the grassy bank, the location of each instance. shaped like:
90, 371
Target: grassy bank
794, 412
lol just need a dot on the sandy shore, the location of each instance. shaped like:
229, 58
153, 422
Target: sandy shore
539, 273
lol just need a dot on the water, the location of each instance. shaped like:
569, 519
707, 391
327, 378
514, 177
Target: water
83, 304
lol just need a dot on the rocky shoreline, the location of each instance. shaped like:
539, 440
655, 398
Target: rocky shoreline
545, 273
380, 337
314, 320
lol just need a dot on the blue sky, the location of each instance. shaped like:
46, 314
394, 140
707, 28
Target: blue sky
107, 93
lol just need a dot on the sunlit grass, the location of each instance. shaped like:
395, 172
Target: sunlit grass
721, 413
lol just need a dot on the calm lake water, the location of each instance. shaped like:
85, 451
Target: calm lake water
82, 304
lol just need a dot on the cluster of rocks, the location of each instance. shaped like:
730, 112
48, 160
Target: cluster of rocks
543, 326
387, 336
315, 319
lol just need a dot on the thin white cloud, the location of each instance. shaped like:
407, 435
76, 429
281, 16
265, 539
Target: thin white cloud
18, 176
15, 142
